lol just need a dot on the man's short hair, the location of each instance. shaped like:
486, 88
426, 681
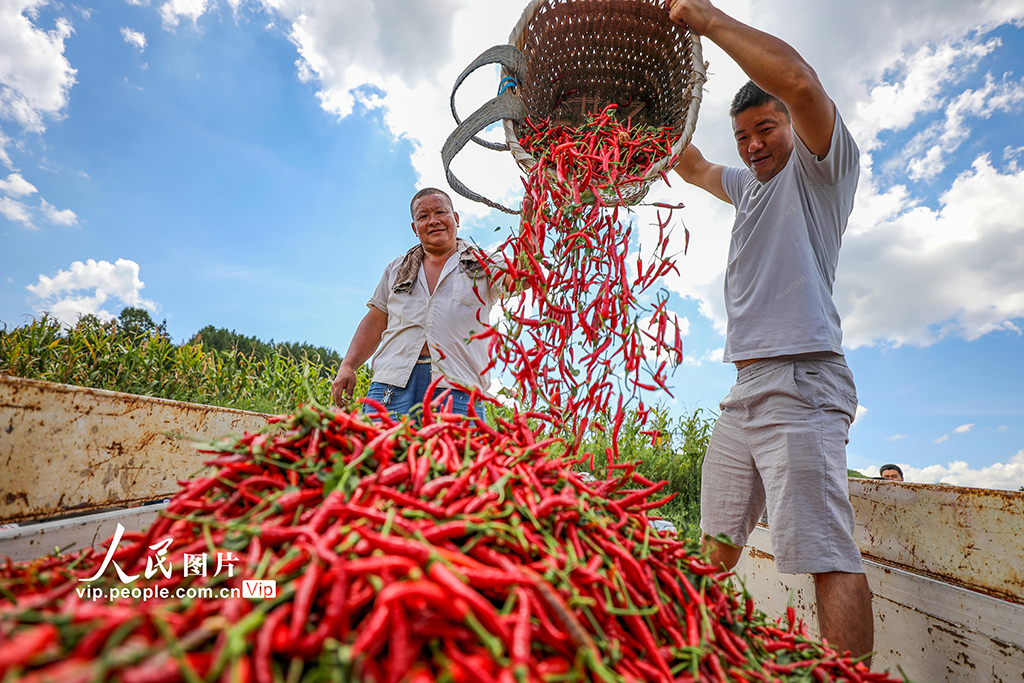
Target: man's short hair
749, 96
890, 466
429, 191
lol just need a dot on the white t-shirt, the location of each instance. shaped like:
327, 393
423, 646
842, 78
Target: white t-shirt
784, 252
444, 320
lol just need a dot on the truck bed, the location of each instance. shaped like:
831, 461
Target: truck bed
945, 564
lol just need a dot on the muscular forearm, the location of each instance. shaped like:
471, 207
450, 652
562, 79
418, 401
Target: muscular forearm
772, 64
696, 170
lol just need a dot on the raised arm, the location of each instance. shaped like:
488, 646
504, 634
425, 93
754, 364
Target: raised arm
364, 343
696, 170
772, 64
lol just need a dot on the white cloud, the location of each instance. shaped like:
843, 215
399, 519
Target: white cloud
173, 11
1011, 155
402, 58
346, 45
896, 437
856, 46
70, 309
85, 287
971, 104
1000, 476
35, 76
136, 39
5, 158
914, 88
713, 356
20, 212
859, 415
17, 186
15, 211
942, 439
958, 269
35, 81
62, 217
963, 429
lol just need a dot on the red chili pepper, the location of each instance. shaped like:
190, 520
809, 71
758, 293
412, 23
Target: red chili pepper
304, 600
520, 652
262, 668
371, 633
483, 610
25, 645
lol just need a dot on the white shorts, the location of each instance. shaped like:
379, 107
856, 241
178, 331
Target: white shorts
780, 444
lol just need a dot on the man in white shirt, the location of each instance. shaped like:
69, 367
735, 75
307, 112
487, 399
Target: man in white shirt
780, 441
428, 303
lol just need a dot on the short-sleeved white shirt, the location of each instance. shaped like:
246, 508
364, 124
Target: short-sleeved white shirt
785, 249
444, 320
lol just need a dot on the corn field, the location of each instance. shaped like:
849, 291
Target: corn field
149, 364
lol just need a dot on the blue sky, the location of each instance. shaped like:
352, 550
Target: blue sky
248, 165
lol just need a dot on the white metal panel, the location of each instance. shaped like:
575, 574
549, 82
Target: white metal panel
935, 631
31, 541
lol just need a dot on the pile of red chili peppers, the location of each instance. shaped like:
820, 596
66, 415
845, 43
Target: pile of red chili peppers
574, 335
454, 551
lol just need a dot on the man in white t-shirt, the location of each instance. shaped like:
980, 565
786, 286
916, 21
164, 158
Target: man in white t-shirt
427, 306
780, 441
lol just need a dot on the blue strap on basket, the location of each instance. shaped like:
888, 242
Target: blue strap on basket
506, 83
506, 105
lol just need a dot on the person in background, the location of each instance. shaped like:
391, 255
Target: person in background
891, 472
780, 442
428, 303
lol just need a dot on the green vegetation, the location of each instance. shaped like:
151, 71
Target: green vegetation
326, 361
663, 450
134, 355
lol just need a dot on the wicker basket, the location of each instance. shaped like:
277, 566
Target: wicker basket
568, 58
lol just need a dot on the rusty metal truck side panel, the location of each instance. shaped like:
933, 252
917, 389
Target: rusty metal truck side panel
66, 449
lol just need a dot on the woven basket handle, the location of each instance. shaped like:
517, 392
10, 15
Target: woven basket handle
507, 105
515, 64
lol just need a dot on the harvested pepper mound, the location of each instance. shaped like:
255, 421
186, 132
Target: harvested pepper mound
453, 551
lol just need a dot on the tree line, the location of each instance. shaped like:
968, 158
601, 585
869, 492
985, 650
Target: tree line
138, 323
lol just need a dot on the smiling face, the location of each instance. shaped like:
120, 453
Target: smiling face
435, 223
764, 139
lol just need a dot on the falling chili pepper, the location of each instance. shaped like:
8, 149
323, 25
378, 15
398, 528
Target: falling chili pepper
576, 299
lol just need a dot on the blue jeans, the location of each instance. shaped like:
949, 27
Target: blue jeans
408, 400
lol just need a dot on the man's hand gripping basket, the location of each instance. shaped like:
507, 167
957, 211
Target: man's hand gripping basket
568, 58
